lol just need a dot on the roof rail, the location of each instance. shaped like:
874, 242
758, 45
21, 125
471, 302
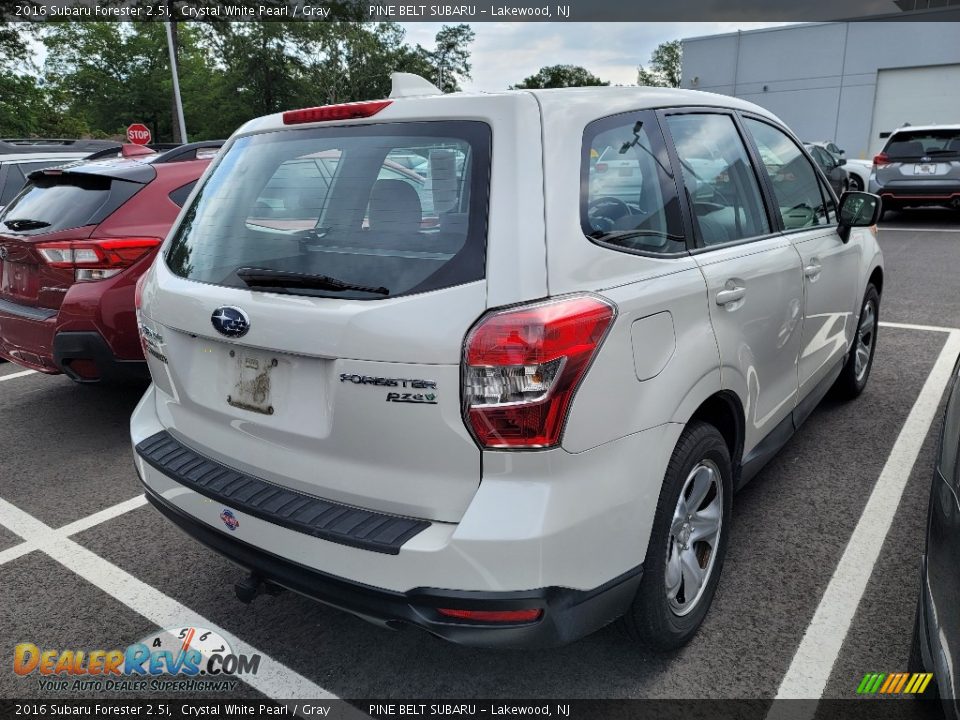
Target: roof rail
26, 145
188, 151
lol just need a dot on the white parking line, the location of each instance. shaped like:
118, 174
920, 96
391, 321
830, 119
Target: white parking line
896, 228
925, 328
813, 662
73, 528
14, 376
273, 679
102, 516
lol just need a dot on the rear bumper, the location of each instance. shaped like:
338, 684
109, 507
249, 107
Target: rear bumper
567, 614
920, 192
26, 336
29, 336
69, 347
567, 531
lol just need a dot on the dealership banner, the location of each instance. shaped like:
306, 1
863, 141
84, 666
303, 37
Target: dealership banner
182, 709
474, 11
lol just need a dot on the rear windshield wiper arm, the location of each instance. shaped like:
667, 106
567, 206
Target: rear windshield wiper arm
25, 224
284, 280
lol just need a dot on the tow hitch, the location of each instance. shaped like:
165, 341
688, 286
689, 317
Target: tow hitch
252, 585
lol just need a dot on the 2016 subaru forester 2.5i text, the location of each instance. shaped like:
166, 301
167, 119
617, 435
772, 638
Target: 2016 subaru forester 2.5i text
426, 360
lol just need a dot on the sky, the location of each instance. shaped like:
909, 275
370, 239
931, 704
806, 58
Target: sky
505, 53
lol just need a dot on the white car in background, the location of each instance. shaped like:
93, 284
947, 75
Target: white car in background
526, 418
857, 170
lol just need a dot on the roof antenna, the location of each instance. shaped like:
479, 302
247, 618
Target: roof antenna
410, 85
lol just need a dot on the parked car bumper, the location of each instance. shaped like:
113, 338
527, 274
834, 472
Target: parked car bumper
541, 545
91, 338
918, 192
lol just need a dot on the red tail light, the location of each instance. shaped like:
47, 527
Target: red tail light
96, 259
345, 111
600, 167
493, 616
880, 160
524, 365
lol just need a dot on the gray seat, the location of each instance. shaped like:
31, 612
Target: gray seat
394, 207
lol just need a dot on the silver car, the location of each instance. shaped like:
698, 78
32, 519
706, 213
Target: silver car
919, 166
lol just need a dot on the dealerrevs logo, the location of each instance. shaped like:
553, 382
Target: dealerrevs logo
179, 654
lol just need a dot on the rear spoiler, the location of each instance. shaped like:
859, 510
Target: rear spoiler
168, 152
189, 151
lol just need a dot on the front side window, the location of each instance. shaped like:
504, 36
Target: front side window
628, 196
720, 183
361, 212
801, 201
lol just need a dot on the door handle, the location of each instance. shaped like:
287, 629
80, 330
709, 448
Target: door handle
812, 269
731, 294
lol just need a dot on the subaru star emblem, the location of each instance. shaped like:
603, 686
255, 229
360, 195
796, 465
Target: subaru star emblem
230, 321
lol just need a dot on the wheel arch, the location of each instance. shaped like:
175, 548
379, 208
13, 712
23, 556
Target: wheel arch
876, 279
724, 411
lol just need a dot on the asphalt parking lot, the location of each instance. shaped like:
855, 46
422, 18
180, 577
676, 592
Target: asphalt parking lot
84, 563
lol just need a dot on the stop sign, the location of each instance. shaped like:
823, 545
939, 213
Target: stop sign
138, 134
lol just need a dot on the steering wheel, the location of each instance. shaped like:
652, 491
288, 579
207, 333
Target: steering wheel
605, 211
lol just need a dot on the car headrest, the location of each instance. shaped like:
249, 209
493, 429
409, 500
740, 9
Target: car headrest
395, 206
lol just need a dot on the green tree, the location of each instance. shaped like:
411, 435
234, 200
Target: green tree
558, 76
449, 61
665, 66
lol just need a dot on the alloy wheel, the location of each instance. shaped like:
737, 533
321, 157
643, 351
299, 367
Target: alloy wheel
694, 537
866, 334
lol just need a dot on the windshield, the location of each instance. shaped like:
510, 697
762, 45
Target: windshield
914, 144
358, 212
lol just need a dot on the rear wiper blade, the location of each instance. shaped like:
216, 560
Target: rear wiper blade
25, 224
285, 280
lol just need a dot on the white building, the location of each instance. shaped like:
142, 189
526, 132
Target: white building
852, 82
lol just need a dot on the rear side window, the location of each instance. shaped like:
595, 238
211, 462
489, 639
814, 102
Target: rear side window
628, 194
802, 201
180, 195
718, 177
360, 212
915, 144
50, 203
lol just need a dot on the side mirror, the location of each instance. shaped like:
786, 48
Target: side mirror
841, 161
857, 209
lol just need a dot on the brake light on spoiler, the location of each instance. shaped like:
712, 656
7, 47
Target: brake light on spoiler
523, 365
344, 111
96, 259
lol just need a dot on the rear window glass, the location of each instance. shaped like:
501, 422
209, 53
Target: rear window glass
49, 203
360, 212
628, 194
922, 143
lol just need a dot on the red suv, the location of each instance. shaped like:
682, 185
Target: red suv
73, 244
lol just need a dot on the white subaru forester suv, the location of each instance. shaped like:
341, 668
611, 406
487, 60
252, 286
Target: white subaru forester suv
493, 365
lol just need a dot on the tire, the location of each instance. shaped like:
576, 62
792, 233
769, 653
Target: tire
856, 184
856, 371
915, 662
663, 616
915, 665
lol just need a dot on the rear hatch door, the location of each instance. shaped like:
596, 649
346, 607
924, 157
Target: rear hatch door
57, 206
308, 313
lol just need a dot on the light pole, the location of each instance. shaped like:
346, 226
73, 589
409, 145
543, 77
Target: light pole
176, 82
